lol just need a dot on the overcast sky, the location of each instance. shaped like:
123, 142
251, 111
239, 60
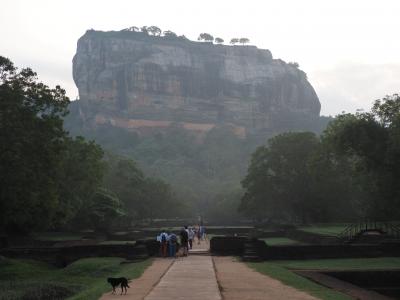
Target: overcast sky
349, 49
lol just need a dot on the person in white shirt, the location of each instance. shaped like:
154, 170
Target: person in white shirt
163, 238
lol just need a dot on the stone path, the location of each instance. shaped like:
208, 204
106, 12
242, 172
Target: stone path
200, 277
191, 277
239, 282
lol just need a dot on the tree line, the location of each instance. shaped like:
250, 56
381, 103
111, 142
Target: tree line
206, 37
49, 179
350, 172
151, 30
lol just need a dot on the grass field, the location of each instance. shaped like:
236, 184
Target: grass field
84, 279
325, 229
343, 264
281, 270
281, 241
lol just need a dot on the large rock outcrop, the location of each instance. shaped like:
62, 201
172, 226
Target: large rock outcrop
141, 82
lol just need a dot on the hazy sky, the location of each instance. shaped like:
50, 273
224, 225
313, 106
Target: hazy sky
349, 49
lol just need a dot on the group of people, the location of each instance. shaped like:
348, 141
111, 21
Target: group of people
169, 244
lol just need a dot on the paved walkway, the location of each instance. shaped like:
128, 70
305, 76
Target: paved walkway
200, 277
239, 282
191, 277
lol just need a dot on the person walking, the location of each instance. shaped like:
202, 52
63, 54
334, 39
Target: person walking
184, 240
198, 232
164, 243
191, 237
203, 233
172, 240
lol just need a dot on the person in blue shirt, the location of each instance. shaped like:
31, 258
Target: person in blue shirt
172, 240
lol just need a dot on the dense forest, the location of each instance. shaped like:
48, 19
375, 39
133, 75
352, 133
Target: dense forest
351, 171
50, 180
340, 169
53, 179
205, 173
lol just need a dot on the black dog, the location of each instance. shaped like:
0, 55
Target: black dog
118, 281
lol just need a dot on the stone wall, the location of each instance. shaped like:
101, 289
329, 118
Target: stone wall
62, 256
236, 246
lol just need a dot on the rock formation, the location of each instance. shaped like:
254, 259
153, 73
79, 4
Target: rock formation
141, 82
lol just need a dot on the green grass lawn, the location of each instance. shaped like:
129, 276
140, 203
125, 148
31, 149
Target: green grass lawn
281, 241
343, 264
84, 279
328, 229
281, 270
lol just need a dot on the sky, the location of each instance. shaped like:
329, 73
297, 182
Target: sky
349, 49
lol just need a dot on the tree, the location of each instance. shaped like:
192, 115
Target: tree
141, 197
159, 199
205, 37
294, 64
371, 144
219, 40
387, 110
125, 179
170, 33
80, 175
224, 207
336, 192
277, 184
234, 41
133, 29
144, 29
104, 210
31, 145
244, 41
154, 30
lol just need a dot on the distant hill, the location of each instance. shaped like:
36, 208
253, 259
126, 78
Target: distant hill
189, 112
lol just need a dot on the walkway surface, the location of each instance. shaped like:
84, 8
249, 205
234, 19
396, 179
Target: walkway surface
239, 282
201, 277
191, 277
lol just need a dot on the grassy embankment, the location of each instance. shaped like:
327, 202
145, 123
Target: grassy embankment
281, 241
84, 279
281, 270
325, 229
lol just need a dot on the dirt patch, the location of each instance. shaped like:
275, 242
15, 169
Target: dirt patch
238, 282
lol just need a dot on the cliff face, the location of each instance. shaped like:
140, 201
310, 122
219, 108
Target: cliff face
131, 80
